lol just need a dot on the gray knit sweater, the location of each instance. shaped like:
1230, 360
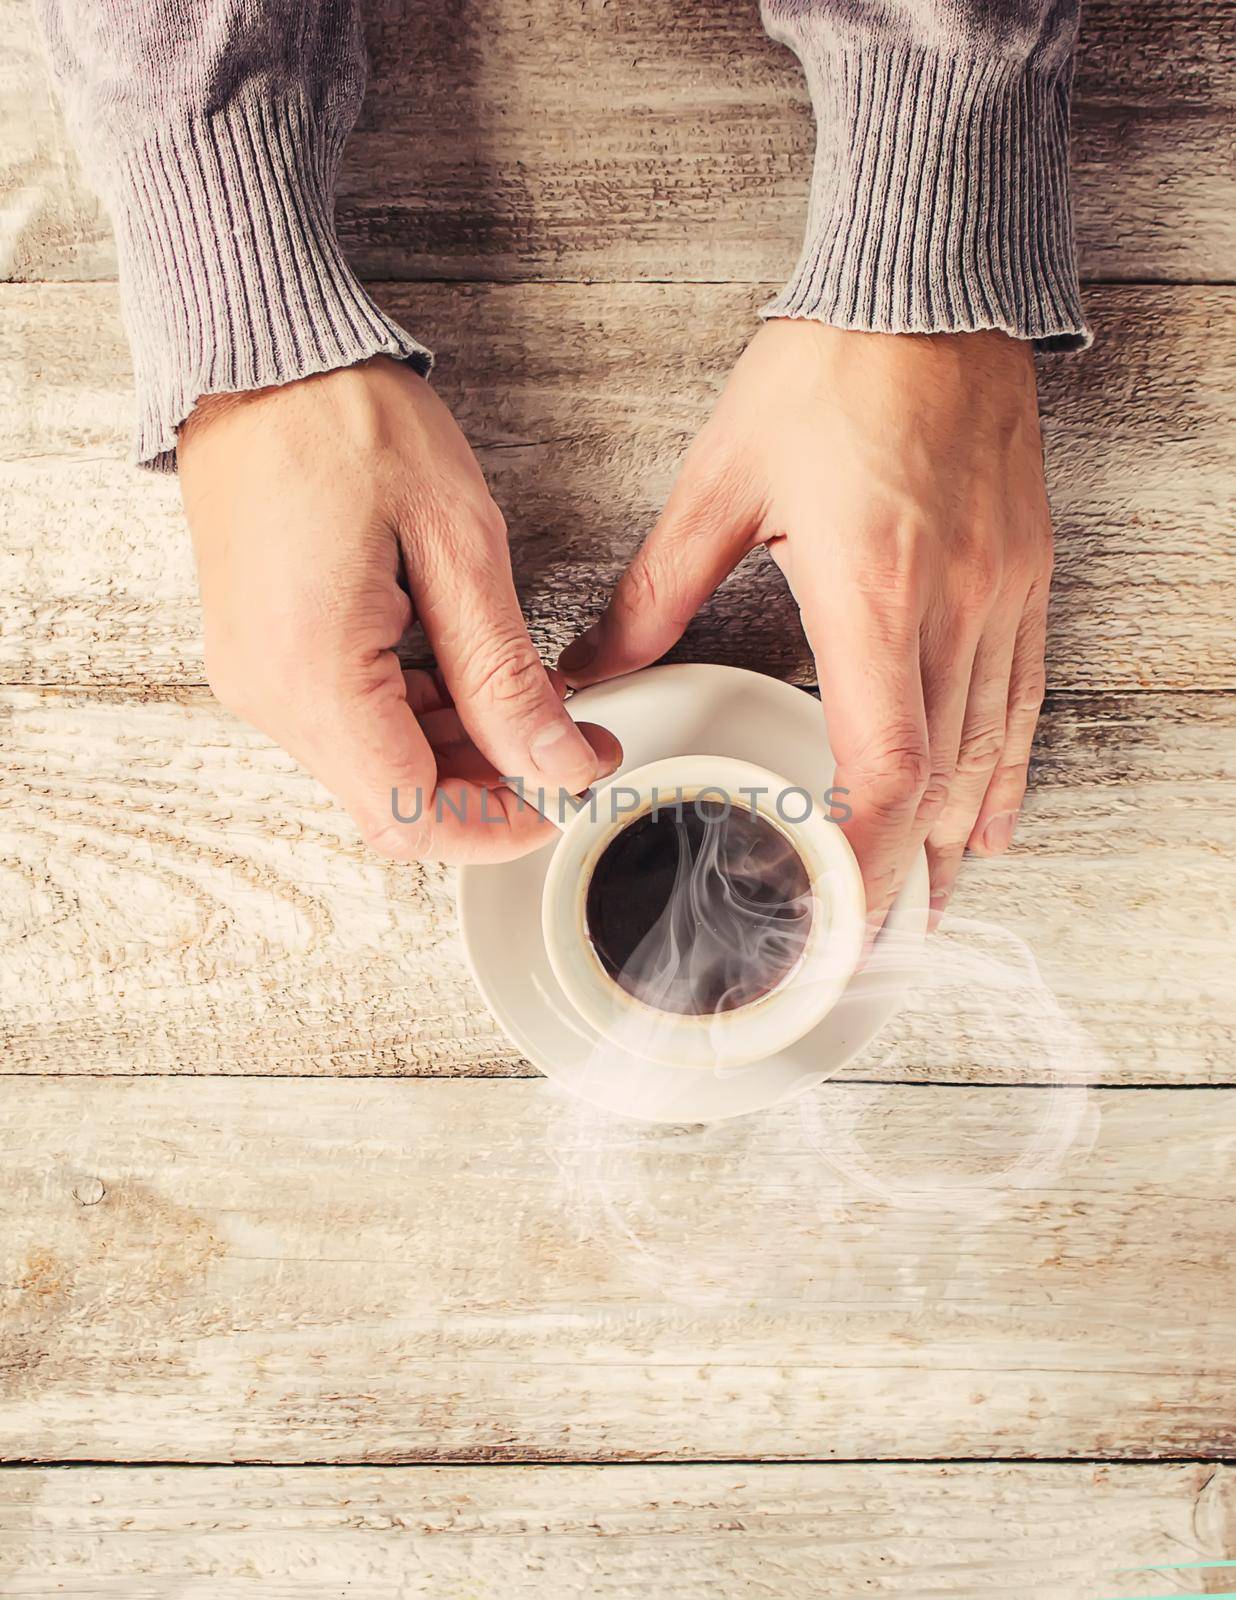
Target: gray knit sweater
214, 128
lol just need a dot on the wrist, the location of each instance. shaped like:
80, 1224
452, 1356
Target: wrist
232, 277
977, 358
940, 192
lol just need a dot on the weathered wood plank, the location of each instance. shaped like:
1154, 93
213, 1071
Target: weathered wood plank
683, 1532
51, 223
580, 401
178, 898
407, 1271
661, 139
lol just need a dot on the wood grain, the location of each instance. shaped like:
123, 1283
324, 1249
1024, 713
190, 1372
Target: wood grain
250, 1267
618, 1533
412, 1271
660, 139
580, 401
51, 223
175, 897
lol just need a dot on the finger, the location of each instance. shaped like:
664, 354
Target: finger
365, 745
428, 691
700, 537
867, 664
947, 655
425, 691
982, 739
457, 755
501, 689
997, 818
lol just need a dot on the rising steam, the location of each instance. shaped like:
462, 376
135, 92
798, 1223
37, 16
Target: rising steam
733, 927
685, 1209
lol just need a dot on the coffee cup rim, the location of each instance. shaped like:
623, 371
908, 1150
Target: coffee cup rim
762, 1027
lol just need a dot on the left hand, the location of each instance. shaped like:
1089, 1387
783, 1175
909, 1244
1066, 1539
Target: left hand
326, 513
897, 479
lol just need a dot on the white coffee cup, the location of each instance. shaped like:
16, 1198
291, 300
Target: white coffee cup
748, 1032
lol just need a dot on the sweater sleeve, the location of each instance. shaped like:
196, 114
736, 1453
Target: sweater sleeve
940, 192
213, 130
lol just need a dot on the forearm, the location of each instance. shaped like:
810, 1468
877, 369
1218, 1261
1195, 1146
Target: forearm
940, 195
213, 129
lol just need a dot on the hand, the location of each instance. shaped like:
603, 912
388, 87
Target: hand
897, 479
311, 506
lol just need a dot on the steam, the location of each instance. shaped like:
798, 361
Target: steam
979, 994
685, 1210
733, 928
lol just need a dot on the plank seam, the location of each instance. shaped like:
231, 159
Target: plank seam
629, 283
1209, 1087
138, 686
67, 1464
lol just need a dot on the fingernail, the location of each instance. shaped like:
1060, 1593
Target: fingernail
998, 832
558, 745
582, 651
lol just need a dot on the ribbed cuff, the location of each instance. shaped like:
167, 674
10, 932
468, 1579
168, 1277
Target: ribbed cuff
940, 197
232, 276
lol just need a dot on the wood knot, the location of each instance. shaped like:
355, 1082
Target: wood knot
89, 1191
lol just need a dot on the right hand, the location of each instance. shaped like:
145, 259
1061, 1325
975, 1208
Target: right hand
897, 480
308, 504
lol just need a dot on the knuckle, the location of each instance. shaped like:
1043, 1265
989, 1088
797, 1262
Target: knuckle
1012, 775
649, 590
488, 518
881, 886
505, 671
933, 798
1011, 783
894, 564
642, 588
897, 774
1029, 692
980, 750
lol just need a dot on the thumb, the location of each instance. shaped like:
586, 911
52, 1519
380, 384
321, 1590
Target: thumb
501, 690
368, 748
703, 533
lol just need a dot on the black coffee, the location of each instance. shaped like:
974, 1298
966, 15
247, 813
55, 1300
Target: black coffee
698, 909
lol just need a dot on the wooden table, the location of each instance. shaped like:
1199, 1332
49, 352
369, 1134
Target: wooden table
309, 1286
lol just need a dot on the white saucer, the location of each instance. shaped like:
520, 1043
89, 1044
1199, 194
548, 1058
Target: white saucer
667, 711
